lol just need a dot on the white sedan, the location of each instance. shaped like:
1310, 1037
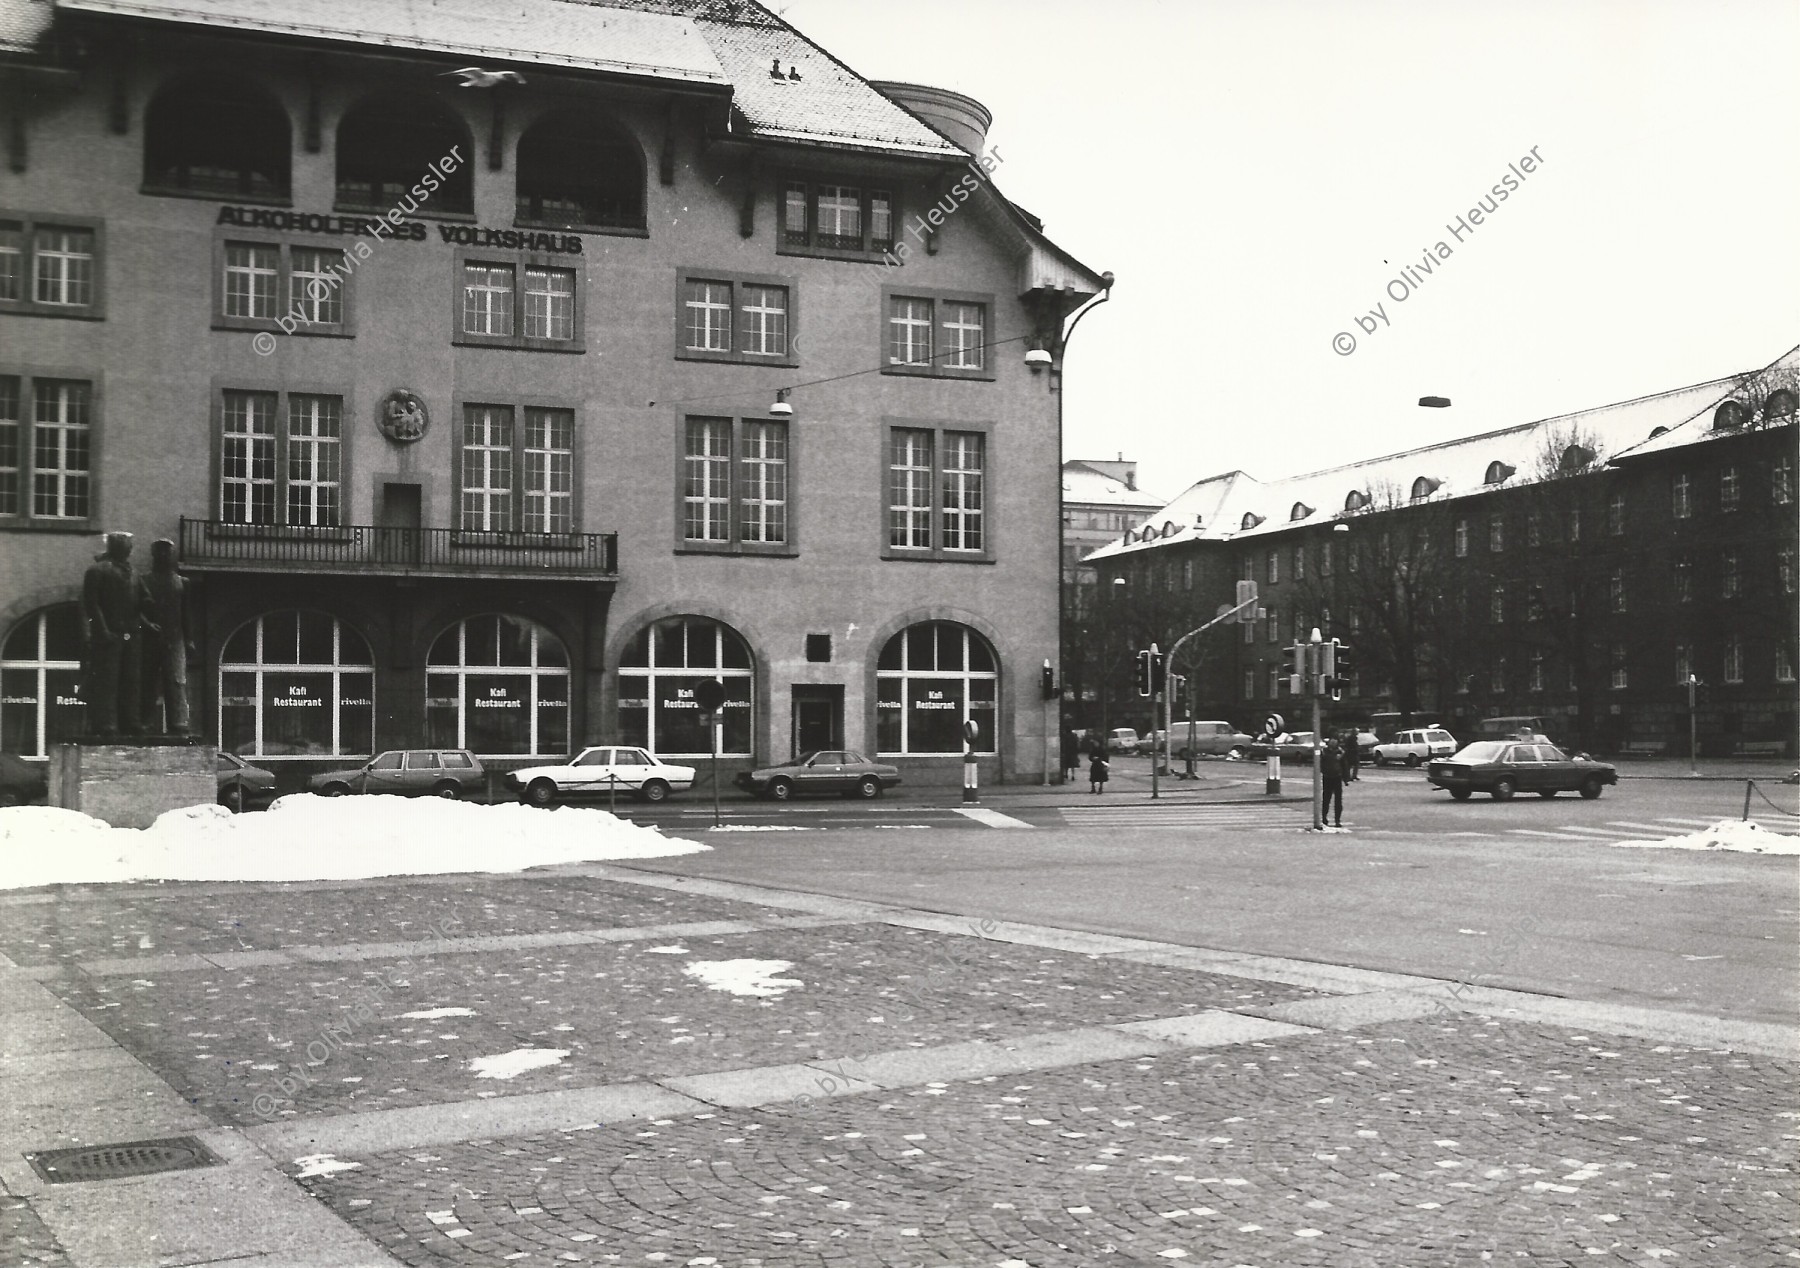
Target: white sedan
598, 771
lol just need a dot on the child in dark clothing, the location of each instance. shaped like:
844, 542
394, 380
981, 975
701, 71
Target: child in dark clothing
1097, 774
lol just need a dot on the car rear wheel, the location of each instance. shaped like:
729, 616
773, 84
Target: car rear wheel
654, 790
1504, 789
781, 790
1590, 787
1239, 751
1412, 759
869, 788
335, 790
541, 792
448, 790
1546, 793
1461, 794
233, 799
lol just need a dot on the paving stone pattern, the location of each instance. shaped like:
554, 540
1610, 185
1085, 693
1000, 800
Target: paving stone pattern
24, 1241
622, 1011
1425, 1143
105, 925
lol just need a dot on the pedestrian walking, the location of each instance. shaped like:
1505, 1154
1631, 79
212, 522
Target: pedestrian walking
1097, 773
1352, 758
1071, 755
1331, 772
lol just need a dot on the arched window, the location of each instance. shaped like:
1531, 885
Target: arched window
657, 676
216, 135
1299, 511
932, 678
1355, 500
1780, 407
1730, 416
1498, 473
1575, 457
498, 685
1424, 487
575, 170
1251, 520
40, 676
296, 684
390, 142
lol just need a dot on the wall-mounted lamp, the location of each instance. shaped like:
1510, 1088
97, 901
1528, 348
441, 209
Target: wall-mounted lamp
1037, 360
1340, 528
781, 408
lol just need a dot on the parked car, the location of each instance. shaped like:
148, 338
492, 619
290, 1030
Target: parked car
1504, 767
825, 771
243, 786
1413, 747
1365, 746
1292, 746
1512, 727
602, 770
1122, 739
1214, 739
21, 782
441, 772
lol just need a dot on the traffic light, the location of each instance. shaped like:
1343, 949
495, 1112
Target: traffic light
1343, 670
1323, 673
1051, 690
1158, 671
1293, 666
1146, 676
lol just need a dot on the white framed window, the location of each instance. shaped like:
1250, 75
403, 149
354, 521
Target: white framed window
1299, 563
1784, 662
1615, 514
706, 313
1730, 583
1684, 580
317, 285
516, 469
518, 301
1272, 568
1781, 480
1681, 495
930, 679
1274, 682
1536, 680
549, 303
61, 449
1462, 538
1274, 625
297, 290
834, 218
1617, 656
1784, 568
1496, 533
64, 259
1615, 589
1573, 521
936, 334
763, 321
314, 459
1534, 528
1684, 663
50, 269
909, 332
937, 494
1497, 604
487, 299
965, 335
735, 485
252, 280
1734, 659
247, 472
296, 684
498, 684
1497, 676
658, 672
1249, 682
40, 681
1729, 488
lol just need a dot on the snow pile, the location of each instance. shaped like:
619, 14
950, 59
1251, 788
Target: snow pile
1740, 835
510, 1065
315, 838
745, 977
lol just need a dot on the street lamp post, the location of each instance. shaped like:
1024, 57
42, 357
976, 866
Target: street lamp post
1693, 746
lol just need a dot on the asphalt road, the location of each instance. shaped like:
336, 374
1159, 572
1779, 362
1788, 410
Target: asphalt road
1528, 894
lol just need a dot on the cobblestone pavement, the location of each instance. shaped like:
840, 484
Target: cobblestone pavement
619, 1011
36, 929
1422, 1143
24, 1241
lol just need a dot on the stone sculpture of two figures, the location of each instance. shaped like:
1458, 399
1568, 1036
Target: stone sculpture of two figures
136, 642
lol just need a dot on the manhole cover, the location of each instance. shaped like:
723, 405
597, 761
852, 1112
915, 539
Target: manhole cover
129, 1158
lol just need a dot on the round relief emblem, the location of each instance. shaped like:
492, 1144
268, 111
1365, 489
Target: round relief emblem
403, 418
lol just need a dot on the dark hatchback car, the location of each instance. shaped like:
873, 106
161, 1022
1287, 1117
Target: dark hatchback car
826, 771
243, 786
1505, 767
21, 782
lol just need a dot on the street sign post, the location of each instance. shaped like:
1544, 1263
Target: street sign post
971, 731
709, 694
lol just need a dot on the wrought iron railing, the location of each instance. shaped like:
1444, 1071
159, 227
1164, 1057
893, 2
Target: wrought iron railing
367, 548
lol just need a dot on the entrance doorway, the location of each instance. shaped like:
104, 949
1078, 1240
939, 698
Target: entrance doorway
398, 521
818, 717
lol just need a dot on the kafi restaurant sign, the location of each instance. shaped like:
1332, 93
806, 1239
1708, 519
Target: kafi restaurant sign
400, 230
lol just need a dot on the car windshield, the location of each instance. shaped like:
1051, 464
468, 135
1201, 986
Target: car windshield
1481, 751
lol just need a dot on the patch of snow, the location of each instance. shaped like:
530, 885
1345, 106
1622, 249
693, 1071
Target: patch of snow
745, 977
509, 1065
432, 1014
675, 950
305, 837
760, 827
1740, 836
322, 1165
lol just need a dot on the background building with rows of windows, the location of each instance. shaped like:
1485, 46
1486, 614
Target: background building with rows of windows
1581, 569
461, 401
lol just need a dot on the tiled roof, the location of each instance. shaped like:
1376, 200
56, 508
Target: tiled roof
1459, 468
620, 39
730, 43
1699, 428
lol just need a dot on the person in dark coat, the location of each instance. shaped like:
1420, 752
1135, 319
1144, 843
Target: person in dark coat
1097, 773
1071, 755
1331, 773
1352, 758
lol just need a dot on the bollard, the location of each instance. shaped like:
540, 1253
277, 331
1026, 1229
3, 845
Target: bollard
1272, 776
971, 778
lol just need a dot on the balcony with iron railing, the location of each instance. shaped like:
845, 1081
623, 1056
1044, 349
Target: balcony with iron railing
367, 550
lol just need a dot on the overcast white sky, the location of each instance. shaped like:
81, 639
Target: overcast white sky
1256, 171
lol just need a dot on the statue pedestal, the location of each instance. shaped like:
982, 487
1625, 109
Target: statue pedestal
128, 785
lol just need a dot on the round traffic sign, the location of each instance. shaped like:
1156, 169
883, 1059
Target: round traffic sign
709, 693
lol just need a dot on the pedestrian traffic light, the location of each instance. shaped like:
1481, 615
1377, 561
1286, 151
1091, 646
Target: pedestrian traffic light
1051, 690
1293, 666
1145, 674
1158, 671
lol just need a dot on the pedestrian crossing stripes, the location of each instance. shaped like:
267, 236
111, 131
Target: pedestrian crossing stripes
1655, 830
1187, 816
